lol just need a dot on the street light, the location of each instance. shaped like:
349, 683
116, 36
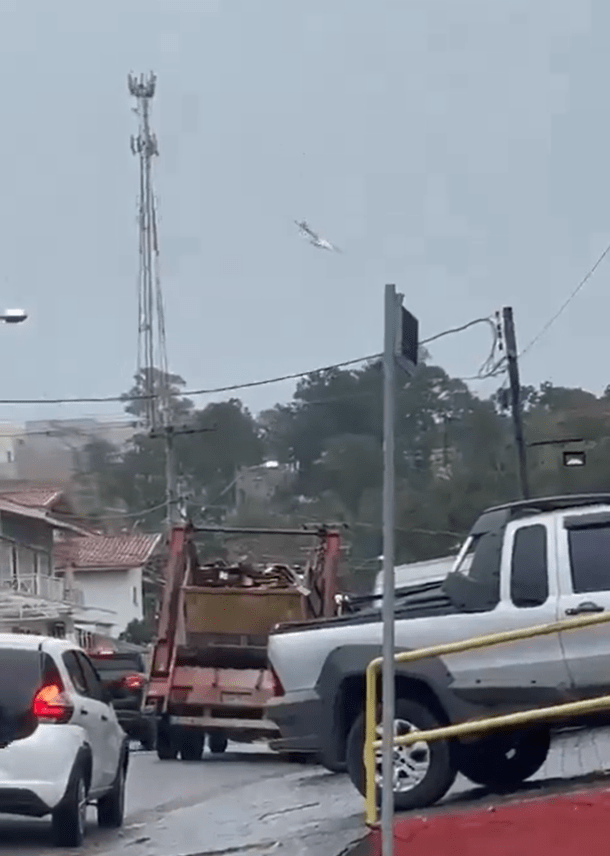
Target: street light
13, 316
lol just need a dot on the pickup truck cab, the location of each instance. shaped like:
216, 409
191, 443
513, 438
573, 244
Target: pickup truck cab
522, 564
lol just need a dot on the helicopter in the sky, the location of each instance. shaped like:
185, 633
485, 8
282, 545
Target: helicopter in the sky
314, 238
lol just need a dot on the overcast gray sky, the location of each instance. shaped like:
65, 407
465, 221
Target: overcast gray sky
459, 148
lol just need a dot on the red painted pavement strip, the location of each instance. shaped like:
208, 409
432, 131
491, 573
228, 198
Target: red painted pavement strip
571, 825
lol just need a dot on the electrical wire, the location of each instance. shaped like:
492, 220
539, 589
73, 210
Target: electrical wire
236, 386
70, 433
189, 393
119, 515
566, 302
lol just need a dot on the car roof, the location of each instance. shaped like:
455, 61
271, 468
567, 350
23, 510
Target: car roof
32, 642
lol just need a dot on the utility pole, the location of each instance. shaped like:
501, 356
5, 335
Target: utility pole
515, 396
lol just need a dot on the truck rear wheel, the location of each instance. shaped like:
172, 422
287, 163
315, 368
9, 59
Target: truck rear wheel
191, 746
218, 743
506, 760
167, 750
423, 772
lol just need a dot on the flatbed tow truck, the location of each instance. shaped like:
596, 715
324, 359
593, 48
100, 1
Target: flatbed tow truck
210, 676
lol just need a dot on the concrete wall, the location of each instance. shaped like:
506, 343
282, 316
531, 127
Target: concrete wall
120, 591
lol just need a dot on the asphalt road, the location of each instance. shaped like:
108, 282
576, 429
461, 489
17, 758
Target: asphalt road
249, 801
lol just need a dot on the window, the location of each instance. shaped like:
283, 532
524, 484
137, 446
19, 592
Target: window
22, 672
590, 558
135, 596
75, 672
94, 685
529, 577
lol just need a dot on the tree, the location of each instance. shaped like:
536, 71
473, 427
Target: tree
231, 439
166, 386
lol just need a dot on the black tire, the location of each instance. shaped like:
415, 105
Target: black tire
167, 750
333, 766
440, 773
300, 757
506, 760
69, 821
217, 743
191, 746
111, 807
148, 739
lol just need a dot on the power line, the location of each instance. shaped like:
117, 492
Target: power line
70, 433
119, 515
567, 302
190, 393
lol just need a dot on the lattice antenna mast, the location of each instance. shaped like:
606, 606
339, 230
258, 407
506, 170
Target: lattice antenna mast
152, 348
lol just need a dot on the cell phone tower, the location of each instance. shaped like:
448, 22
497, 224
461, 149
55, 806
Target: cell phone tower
152, 348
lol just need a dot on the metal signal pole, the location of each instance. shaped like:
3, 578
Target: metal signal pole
387, 609
400, 345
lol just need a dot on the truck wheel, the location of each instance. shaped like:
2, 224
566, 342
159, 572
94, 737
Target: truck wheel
218, 743
331, 764
166, 745
191, 747
300, 757
423, 772
148, 737
504, 761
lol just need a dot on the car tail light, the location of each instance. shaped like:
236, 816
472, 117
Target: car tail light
278, 689
51, 704
133, 682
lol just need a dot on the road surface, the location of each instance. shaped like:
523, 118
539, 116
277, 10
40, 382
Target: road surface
250, 802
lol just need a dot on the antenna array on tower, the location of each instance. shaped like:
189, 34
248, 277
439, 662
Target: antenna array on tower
152, 348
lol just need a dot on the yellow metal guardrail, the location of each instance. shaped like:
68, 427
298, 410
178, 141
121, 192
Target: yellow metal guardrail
479, 726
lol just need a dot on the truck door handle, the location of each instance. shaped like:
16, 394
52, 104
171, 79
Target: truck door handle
585, 608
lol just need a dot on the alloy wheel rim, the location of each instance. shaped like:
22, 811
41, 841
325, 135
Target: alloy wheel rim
410, 763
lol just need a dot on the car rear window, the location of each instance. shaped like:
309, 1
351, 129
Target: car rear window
118, 662
22, 673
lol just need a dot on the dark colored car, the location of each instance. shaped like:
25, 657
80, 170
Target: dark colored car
124, 674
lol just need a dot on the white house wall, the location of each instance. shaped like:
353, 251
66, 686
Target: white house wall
119, 591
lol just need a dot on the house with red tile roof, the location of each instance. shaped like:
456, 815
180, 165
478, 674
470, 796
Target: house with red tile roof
109, 571
32, 597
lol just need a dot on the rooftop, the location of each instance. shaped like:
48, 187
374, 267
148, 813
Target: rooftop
105, 552
33, 497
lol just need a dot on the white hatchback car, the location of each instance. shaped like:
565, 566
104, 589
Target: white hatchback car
61, 746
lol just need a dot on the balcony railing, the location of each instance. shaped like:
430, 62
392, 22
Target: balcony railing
48, 588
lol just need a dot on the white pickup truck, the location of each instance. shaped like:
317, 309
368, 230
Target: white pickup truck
522, 564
